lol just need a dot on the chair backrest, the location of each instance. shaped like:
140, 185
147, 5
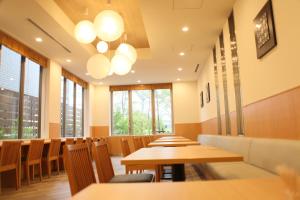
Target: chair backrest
146, 140
88, 140
10, 153
103, 162
125, 147
35, 151
54, 148
79, 167
69, 141
137, 143
79, 140
95, 139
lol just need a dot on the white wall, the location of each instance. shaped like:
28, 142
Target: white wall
276, 72
186, 102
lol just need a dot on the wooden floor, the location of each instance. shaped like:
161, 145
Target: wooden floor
57, 187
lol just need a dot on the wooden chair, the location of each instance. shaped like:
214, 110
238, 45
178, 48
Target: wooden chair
69, 141
89, 142
34, 157
146, 140
10, 158
79, 167
79, 140
125, 147
53, 155
95, 139
137, 143
105, 169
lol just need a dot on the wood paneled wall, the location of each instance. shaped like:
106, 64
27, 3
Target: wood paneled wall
188, 130
277, 116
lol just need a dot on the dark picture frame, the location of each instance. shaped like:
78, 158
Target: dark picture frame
201, 99
207, 93
265, 35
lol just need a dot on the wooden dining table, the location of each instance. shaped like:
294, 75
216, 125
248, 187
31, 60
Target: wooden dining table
242, 189
177, 157
172, 143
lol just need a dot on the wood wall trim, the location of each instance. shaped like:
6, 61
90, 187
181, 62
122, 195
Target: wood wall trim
22, 49
141, 87
277, 116
74, 78
188, 130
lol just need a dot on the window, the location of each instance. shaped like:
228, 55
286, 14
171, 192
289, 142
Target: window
71, 108
141, 110
20, 83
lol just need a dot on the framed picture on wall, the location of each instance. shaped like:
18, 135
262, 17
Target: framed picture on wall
201, 99
207, 93
265, 36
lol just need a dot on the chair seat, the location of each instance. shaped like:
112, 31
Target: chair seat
132, 178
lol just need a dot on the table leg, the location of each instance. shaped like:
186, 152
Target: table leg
157, 173
178, 173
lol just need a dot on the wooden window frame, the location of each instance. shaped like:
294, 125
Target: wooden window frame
129, 89
21, 92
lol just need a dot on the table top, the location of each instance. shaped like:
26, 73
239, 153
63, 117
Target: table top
250, 189
172, 143
171, 137
173, 140
179, 155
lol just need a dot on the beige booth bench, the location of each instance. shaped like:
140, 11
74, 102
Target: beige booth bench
261, 156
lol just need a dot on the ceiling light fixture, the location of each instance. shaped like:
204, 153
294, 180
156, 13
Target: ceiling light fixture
178, 79
181, 53
108, 25
87, 74
102, 47
132, 71
179, 69
69, 60
185, 29
138, 81
38, 39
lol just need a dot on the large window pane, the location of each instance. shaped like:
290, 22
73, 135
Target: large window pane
31, 100
69, 126
120, 112
10, 71
163, 111
141, 112
62, 104
79, 111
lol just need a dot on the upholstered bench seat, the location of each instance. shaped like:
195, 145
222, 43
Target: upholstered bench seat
261, 156
132, 178
234, 170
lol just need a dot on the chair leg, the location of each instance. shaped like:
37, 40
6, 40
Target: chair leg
27, 173
57, 165
33, 172
17, 178
40, 171
49, 168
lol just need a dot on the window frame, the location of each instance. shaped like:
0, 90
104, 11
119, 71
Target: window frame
63, 134
129, 89
21, 92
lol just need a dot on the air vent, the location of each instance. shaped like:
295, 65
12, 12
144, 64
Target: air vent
196, 68
48, 34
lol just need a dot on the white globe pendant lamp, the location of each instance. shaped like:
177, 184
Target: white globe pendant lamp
127, 50
120, 64
102, 47
109, 25
85, 32
98, 66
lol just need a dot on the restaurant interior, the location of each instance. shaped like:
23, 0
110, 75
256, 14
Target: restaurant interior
149, 99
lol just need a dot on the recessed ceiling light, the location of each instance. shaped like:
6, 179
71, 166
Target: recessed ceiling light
69, 60
179, 69
178, 79
185, 29
100, 83
132, 71
138, 81
87, 74
182, 53
38, 39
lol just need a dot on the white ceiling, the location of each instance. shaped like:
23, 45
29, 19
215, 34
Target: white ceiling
163, 20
